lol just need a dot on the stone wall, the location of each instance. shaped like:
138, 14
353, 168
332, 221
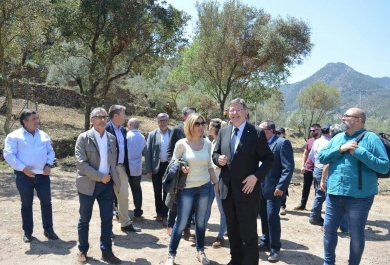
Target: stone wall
55, 96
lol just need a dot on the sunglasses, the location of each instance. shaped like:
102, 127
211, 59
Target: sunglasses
314, 130
197, 124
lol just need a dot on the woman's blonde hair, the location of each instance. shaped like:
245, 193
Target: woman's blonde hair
190, 124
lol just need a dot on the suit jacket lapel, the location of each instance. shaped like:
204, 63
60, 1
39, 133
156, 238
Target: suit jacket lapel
226, 140
91, 136
273, 143
158, 140
243, 137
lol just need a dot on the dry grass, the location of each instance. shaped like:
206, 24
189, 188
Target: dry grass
60, 122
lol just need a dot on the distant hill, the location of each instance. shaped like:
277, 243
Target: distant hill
375, 92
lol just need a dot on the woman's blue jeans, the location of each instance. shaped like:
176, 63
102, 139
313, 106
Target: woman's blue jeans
356, 210
222, 220
198, 196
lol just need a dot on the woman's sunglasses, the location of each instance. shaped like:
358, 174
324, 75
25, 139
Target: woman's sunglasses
197, 124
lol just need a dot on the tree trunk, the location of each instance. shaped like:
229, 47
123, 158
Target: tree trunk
88, 109
8, 91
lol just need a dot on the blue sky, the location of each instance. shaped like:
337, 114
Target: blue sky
354, 32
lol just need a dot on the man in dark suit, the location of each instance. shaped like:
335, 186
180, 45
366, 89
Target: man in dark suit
114, 126
177, 133
274, 189
238, 152
156, 162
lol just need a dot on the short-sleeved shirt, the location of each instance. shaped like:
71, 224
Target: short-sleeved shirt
198, 161
309, 165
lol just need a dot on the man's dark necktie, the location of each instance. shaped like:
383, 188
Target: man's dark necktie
233, 141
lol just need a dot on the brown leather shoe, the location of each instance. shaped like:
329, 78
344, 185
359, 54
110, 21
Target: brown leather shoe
218, 242
158, 218
169, 231
82, 257
186, 234
110, 257
164, 221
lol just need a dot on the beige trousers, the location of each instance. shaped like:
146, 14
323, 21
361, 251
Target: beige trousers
123, 197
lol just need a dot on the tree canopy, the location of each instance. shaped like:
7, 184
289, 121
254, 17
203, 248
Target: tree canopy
237, 47
315, 101
116, 39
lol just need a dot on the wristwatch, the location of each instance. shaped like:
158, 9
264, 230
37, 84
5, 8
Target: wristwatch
48, 165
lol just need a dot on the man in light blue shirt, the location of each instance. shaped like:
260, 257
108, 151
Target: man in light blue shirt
30, 153
344, 196
135, 145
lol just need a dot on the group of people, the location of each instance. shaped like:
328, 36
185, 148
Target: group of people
247, 168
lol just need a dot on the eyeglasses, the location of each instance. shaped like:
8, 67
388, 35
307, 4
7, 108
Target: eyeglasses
236, 110
163, 121
197, 124
314, 130
100, 117
350, 116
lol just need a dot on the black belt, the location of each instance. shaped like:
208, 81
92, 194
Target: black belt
164, 163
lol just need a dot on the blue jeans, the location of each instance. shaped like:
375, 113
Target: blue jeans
104, 196
356, 210
222, 219
172, 214
198, 196
320, 197
26, 186
270, 223
135, 186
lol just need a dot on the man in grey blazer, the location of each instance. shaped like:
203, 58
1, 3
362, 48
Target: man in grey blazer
156, 162
96, 156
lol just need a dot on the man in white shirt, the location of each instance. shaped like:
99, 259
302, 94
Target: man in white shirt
96, 159
29, 152
320, 196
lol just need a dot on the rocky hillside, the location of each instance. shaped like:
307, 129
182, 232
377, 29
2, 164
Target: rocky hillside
356, 88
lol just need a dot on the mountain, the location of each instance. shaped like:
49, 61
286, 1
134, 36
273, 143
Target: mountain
355, 88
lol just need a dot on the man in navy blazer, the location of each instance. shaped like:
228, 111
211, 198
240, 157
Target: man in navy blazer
238, 152
114, 126
274, 189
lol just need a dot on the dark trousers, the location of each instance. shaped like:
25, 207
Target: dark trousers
159, 193
241, 220
135, 186
270, 223
307, 182
26, 186
104, 196
284, 199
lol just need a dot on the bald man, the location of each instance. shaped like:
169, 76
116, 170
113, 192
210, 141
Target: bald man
346, 194
135, 145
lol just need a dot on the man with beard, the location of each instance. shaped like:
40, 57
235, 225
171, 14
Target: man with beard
344, 196
308, 166
319, 144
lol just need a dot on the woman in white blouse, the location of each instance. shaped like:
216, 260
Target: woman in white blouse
196, 150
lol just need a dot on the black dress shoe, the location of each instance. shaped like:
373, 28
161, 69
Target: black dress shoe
234, 263
50, 234
131, 228
27, 238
